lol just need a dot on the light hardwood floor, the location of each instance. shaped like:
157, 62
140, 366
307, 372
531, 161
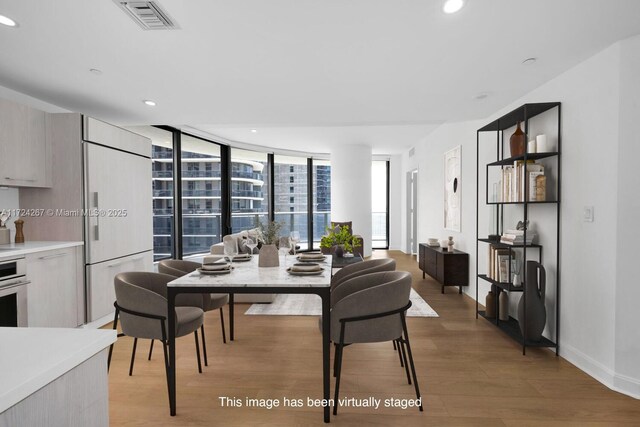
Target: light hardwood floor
470, 374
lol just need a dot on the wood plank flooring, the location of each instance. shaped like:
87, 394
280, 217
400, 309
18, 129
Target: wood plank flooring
470, 374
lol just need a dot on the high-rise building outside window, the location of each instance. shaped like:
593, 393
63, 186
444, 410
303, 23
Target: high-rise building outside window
321, 184
249, 189
288, 194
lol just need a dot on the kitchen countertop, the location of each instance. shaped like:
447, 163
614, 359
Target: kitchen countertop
11, 250
31, 358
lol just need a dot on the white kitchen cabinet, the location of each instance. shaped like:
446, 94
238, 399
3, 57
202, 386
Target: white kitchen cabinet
101, 293
55, 296
25, 154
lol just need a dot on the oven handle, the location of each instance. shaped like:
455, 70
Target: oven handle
13, 285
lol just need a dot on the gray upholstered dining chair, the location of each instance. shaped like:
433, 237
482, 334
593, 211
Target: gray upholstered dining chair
360, 268
371, 308
141, 306
210, 302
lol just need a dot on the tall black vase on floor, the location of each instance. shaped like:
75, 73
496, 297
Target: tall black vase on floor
536, 313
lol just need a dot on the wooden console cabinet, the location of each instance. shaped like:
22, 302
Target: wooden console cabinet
448, 268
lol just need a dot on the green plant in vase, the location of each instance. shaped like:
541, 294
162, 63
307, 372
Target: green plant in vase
268, 234
340, 237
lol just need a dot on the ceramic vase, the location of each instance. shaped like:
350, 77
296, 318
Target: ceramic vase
339, 251
534, 314
450, 243
268, 256
490, 305
518, 142
503, 310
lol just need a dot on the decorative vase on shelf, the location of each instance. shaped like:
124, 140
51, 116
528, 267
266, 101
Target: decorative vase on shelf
503, 310
19, 232
490, 305
268, 256
518, 142
534, 315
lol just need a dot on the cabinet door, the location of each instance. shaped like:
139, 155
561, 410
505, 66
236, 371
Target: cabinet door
25, 157
431, 262
421, 255
117, 181
53, 291
100, 291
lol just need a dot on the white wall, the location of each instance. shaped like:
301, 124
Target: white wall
351, 189
627, 320
596, 324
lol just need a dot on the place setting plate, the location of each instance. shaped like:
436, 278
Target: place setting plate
305, 270
314, 259
242, 258
219, 271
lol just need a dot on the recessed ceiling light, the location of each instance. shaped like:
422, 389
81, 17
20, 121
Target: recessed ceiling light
481, 96
95, 71
253, 131
149, 102
452, 6
529, 61
5, 20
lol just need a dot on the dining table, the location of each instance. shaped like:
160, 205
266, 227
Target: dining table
248, 277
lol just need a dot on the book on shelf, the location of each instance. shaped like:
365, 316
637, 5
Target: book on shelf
504, 267
518, 182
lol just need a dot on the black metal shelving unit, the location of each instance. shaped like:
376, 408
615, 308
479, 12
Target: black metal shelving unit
521, 114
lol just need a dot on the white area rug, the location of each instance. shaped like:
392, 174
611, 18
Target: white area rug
310, 305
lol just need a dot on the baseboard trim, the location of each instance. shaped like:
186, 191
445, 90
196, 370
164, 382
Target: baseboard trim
616, 382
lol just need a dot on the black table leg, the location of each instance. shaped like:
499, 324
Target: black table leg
231, 310
326, 326
171, 303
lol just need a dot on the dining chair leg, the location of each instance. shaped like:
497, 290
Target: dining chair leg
150, 350
413, 368
133, 356
224, 335
394, 344
400, 354
195, 334
165, 344
339, 370
403, 349
335, 359
204, 346
115, 327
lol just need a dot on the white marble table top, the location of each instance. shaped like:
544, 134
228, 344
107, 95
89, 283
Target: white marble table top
248, 274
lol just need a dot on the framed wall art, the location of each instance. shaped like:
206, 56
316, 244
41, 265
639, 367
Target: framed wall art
452, 199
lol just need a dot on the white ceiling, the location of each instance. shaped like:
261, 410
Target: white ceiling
304, 73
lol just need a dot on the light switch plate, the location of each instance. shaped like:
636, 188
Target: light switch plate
587, 214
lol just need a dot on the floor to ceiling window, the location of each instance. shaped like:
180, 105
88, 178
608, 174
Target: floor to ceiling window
291, 189
379, 204
162, 185
301, 193
321, 190
201, 199
249, 189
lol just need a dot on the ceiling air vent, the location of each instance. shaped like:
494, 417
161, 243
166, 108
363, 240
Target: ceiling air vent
148, 14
